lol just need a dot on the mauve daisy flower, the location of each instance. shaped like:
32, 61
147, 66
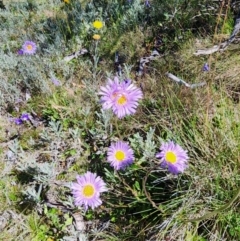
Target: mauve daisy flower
173, 156
126, 82
18, 121
55, 81
109, 92
29, 47
126, 100
122, 97
147, 4
20, 52
205, 67
120, 155
25, 117
86, 191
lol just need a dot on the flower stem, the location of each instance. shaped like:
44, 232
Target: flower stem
118, 132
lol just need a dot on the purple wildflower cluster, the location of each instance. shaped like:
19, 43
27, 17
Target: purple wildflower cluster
172, 156
121, 97
86, 191
24, 117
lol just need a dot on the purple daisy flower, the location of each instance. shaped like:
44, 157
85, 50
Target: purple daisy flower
126, 101
147, 4
29, 47
122, 98
173, 156
127, 82
120, 155
109, 92
86, 191
18, 121
20, 52
25, 117
205, 67
55, 81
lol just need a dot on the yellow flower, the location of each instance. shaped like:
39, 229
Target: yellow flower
66, 1
97, 24
96, 36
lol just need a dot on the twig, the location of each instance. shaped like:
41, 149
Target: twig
224, 44
144, 60
75, 54
214, 49
178, 80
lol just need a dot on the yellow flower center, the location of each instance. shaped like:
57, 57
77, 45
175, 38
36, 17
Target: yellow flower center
29, 47
171, 157
66, 1
97, 24
122, 100
120, 155
88, 190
